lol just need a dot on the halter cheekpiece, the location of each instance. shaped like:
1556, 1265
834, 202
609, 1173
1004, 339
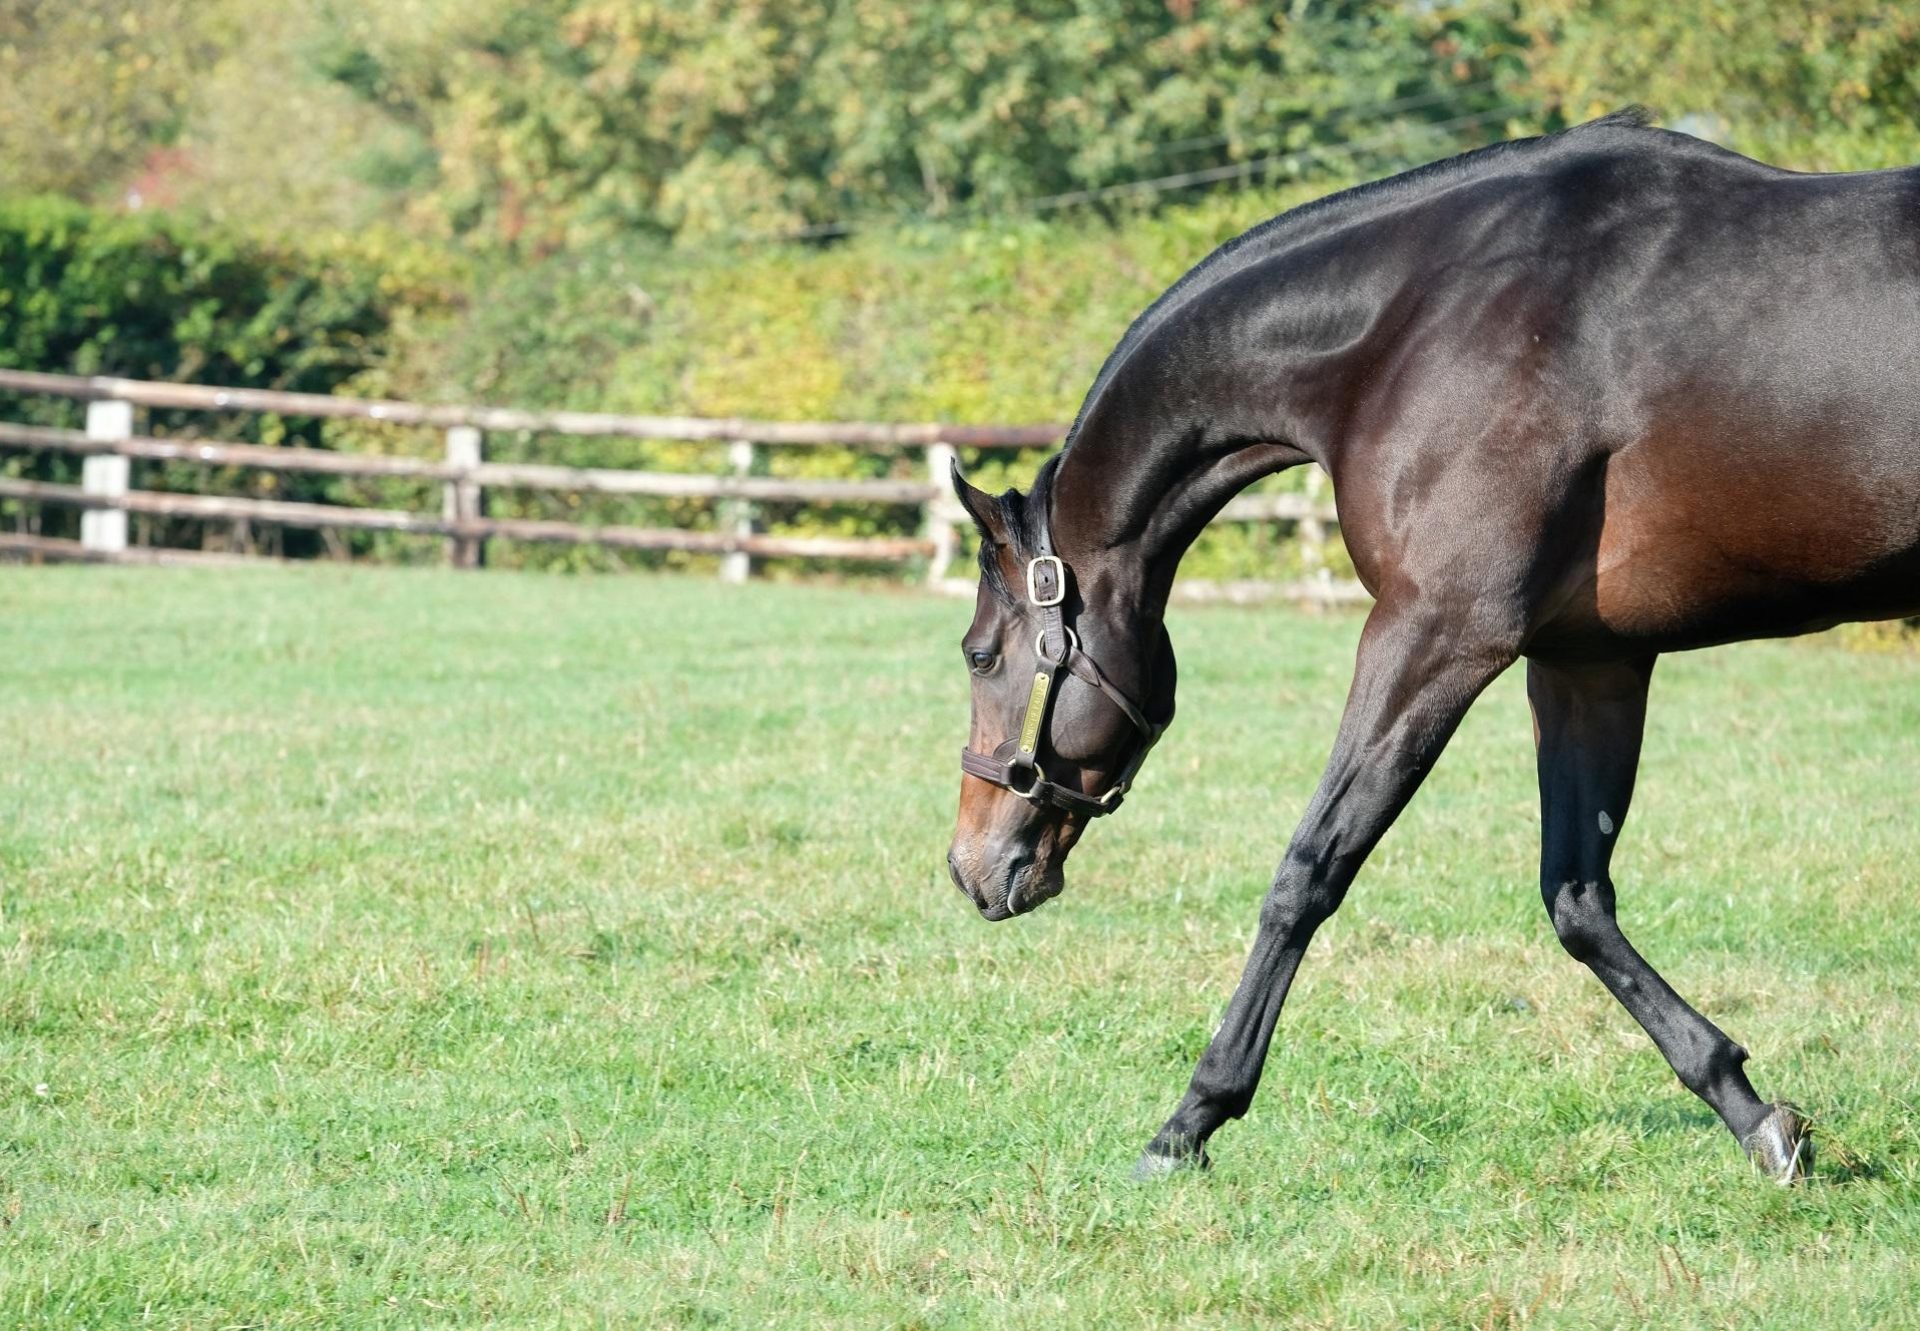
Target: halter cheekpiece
1058, 650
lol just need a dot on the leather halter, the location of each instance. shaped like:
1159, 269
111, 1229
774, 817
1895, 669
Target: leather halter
1058, 650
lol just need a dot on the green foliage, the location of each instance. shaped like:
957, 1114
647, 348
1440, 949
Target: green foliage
1828, 87
1888, 635
563, 119
158, 297
921, 323
530, 124
387, 948
602, 169
89, 87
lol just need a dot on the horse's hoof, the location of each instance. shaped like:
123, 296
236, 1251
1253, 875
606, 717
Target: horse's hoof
1781, 1147
1158, 1164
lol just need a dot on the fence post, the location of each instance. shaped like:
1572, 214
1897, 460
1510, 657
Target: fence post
941, 512
1313, 532
105, 529
462, 500
1313, 542
737, 514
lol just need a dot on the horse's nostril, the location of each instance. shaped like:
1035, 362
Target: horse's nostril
1015, 869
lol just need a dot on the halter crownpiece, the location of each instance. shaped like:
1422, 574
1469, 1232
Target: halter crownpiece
1058, 649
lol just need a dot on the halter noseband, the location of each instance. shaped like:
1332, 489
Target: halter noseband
1058, 650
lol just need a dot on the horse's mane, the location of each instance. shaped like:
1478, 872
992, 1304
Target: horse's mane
1339, 209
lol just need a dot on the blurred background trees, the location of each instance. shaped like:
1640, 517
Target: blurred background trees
552, 122
528, 125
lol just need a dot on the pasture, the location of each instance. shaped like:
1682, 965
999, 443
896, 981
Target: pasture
408, 948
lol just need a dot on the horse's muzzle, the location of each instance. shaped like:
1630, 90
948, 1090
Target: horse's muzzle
1017, 889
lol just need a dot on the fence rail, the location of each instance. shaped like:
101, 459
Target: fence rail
201, 397
109, 445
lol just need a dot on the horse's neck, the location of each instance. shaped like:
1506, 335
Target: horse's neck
1265, 373
1127, 504
1127, 517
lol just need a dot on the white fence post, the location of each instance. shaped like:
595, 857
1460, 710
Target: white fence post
1312, 531
942, 511
461, 501
737, 514
105, 529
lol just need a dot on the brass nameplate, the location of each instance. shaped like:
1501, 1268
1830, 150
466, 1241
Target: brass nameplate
1036, 711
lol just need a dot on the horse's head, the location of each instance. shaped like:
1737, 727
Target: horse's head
1059, 652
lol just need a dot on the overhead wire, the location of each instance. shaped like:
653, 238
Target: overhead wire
1257, 166
1351, 111
1178, 180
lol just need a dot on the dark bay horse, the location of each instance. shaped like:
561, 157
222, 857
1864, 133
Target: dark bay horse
1585, 399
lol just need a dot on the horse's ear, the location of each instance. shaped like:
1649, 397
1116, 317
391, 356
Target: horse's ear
980, 507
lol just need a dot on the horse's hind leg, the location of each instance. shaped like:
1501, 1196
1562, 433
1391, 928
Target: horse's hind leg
1588, 721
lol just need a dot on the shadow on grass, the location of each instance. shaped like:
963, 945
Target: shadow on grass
1854, 1169
1670, 1116
1834, 1163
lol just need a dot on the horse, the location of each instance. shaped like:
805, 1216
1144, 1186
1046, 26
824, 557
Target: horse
1585, 399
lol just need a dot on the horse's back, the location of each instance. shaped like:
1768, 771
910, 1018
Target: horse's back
1773, 482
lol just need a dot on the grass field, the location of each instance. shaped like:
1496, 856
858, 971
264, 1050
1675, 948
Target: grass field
388, 948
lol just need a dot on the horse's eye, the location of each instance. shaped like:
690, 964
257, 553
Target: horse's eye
981, 661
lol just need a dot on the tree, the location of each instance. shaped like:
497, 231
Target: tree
1828, 87
562, 118
89, 87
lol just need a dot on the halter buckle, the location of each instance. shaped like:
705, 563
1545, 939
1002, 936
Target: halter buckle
1058, 571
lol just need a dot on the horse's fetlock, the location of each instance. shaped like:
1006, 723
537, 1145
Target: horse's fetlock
1726, 1060
1215, 1100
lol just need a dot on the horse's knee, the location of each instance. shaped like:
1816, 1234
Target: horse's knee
1582, 913
1303, 895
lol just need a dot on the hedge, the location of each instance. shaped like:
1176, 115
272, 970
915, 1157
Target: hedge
151, 296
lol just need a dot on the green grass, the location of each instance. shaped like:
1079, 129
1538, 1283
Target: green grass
388, 948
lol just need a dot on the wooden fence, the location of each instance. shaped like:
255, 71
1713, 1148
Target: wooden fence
109, 446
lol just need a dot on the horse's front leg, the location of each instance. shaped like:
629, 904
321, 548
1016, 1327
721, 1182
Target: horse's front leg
1418, 671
